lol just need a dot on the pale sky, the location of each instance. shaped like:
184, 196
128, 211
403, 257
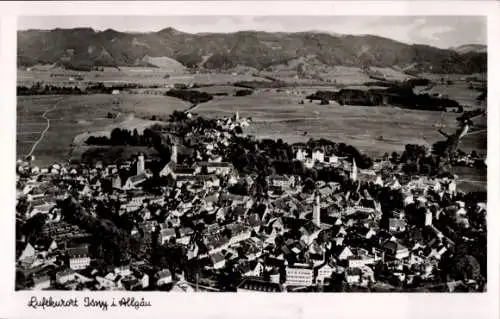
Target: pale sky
439, 31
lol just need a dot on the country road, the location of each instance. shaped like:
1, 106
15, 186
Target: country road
44, 115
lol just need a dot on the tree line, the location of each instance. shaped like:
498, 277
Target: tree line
191, 96
39, 88
120, 136
401, 96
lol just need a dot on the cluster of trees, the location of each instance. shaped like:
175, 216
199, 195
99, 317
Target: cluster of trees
191, 96
243, 92
149, 138
417, 82
267, 157
398, 95
470, 114
76, 76
113, 244
123, 137
97, 88
39, 89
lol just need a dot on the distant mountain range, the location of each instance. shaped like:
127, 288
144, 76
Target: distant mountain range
84, 48
468, 48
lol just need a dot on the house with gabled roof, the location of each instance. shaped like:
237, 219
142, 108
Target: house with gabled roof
134, 181
165, 235
310, 232
394, 249
258, 285
79, 257
299, 274
28, 254
353, 275
397, 225
218, 260
323, 271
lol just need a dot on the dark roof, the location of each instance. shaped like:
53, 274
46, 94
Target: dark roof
167, 232
186, 231
309, 227
183, 170
183, 178
216, 241
353, 272
163, 273
37, 279
254, 220
138, 178
272, 261
239, 210
43, 243
256, 284
64, 272
293, 223
215, 164
80, 251
392, 246
234, 197
369, 203
217, 257
280, 178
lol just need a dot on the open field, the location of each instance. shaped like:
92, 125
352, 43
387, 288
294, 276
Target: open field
373, 130
459, 92
336, 75
391, 74
144, 105
220, 89
79, 114
138, 75
130, 123
277, 115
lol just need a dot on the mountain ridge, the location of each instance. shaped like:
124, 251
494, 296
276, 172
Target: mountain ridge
468, 48
83, 48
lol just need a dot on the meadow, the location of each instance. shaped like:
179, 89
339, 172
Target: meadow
373, 130
137, 75
459, 92
84, 114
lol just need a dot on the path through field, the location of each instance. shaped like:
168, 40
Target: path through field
44, 115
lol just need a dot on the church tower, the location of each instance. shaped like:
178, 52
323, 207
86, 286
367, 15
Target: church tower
237, 117
317, 210
173, 156
354, 171
428, 218
140, 164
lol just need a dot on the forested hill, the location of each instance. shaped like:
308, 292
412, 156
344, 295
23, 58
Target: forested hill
84, 48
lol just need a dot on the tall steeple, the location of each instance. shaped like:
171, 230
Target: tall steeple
354, 170
140, 164
173, 156
237, 116
317, 209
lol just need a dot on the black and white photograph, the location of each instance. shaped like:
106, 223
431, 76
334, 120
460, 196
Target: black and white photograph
251, 154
